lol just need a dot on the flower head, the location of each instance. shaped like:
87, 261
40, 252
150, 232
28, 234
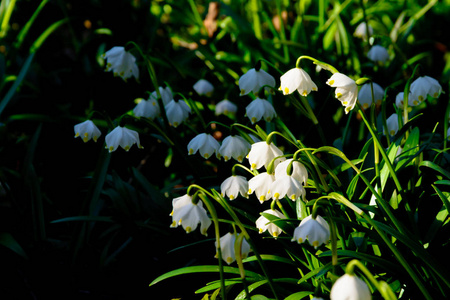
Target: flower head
346, 90
316, 231
299, 171
297, 79
121, 63
234, 146
350, 287
261, 154
378, 54
260, 185
423, 86
286, 186
254, 80
87, 130
166, 95
233, 186
177, 112
123, 137
400, 98
361, 31
205, 143
263, 224
260, 109
225, 106
227, 247
203, 87
146, 108
392, 124
365, 94
188, 214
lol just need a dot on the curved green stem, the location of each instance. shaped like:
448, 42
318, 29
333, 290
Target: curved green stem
213, 213
381, 149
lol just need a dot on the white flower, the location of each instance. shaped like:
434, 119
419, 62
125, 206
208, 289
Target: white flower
423, 86
166, 95
299, 171
203, 87
225, 106
123, 137
400, 98
361, 31
392, 124
346, 90
260, 184
188, 214
205, 143
378, 54
365, 94
177, 112
87, 130
121, 62
317, 298
263, 224
297, 79
260, 109
261, 154
146, 108
254, 80
286, 186
316, 231
234, 146
227, 247
350, 287
233, 186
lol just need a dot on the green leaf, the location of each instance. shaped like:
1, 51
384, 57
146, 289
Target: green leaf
84, 219
435, 167
298, 295
204, 269
7, 240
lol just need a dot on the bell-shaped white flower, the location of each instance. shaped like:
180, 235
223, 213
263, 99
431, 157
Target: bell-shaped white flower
177, 112
233, 186
227, 247
423, 86
316, 231
166, 95
346, 90
365, 94
189, 215
146, 108
204, 143
203, 87
225, 107
286, 186
260, 109
392, 124
87, 130
350, 287
261, 154
121, 63
399, 100
297, 79
254, 80
234, 146
378, 54
123, 137
260, 185
298, 170
361, 31
263, 224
